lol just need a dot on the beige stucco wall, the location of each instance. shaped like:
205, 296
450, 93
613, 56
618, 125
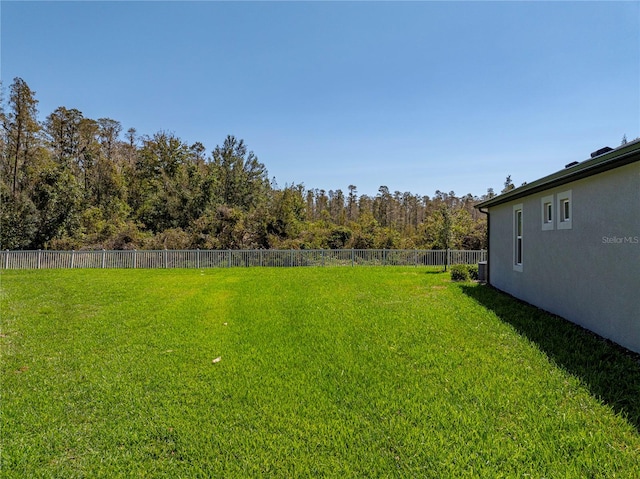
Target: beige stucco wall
589, 274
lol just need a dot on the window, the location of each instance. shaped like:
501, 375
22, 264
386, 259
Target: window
517, 236
565, 210
547, 212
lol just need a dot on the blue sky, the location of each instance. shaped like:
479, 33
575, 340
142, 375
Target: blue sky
416, 96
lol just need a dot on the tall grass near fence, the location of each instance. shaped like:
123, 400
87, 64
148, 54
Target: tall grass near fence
233, 258
300, 372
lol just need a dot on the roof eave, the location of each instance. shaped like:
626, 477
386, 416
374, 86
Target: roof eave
582, 170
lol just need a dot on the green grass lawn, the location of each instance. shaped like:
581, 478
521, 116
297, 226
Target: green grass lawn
303, 372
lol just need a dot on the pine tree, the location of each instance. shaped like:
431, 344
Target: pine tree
20, 129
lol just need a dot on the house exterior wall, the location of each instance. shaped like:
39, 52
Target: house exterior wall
588, 273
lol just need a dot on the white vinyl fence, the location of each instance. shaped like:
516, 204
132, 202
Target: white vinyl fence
45, 259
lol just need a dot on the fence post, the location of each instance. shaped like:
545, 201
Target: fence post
103, 257
198, 258
73, 253
165, 258
229, 254
322, 256
6, 259
135, 258
39, 257
352, 258
446, 260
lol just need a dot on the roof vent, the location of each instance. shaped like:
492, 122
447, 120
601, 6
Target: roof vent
601, 151
573, 163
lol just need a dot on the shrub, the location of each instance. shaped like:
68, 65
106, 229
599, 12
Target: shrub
464, 272
459, 272
473, 271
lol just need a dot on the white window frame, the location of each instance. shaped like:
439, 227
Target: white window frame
546, 205
518, 235
563, 222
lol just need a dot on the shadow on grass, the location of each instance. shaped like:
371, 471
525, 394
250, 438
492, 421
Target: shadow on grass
611, 372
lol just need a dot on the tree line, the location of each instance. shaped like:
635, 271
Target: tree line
72, 182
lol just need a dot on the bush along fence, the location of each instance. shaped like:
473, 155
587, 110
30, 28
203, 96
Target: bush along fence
46, 259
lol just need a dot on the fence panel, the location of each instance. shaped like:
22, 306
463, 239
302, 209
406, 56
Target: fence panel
87, 259
466, 257
151, 259
432, 257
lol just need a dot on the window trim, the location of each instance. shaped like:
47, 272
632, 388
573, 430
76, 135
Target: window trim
564, 222
518, 237
547, 206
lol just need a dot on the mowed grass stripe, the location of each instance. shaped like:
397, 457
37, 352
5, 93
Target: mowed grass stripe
357, 372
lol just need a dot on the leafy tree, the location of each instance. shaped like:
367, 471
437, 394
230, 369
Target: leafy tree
62, 128
242, 181
310, 205
338, 237
108, 132
57, 197
131, 146
167, 187
321, 204
18, 219
198, 153
490, 194
336, 207
89, 150
287, 212
382, 206
80, 185
364, 230
444, 231
20, 132
508, 185
352, 202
